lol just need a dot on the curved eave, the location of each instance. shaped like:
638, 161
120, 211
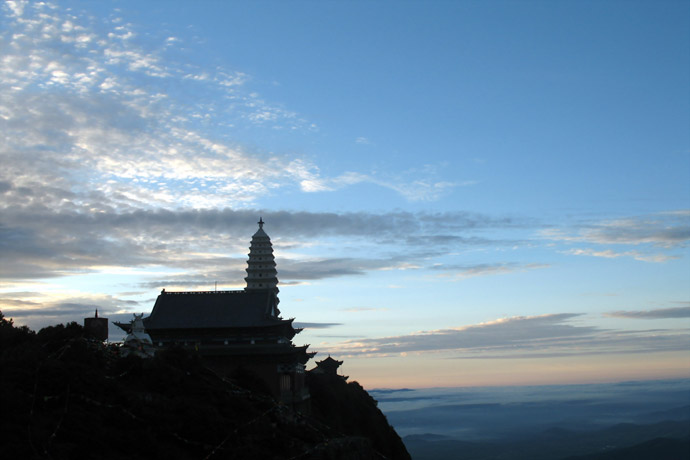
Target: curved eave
124, 326
305, 355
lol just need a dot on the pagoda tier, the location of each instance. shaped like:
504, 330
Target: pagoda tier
261, 266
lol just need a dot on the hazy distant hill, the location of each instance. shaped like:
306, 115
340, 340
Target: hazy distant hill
550, 422
662, 441
66, 397
654, 449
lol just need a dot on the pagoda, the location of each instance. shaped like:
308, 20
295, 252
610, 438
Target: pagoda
96, 328
237, 330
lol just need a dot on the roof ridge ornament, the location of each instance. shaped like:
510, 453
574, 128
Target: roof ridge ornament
261, 222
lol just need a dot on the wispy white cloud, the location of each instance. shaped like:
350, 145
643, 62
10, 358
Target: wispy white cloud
16, 7
412, 190
471, 271
421, 190
85, 113
87, 121
610, 254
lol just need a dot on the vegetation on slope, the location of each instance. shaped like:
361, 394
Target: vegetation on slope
66, 396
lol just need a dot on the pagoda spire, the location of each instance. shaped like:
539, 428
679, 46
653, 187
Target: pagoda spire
261, 265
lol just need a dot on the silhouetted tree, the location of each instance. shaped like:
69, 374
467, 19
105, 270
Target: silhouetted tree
11, 335
65, 396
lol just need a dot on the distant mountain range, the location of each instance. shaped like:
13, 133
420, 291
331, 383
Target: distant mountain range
662, 441
628, 420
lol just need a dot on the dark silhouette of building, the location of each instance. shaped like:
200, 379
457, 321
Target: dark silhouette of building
96, 327
328, 366
237, 331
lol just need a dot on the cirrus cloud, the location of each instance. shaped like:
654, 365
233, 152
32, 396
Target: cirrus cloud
87, 110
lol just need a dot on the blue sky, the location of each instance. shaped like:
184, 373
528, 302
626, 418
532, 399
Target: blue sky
458, 193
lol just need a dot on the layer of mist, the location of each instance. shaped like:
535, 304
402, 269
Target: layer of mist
542, 422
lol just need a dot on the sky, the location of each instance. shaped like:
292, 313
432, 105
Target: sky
458, 193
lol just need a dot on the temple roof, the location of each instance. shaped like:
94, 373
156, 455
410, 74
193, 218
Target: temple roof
329, 362
221, 309
328, 367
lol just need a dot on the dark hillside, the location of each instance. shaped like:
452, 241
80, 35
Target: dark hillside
348, 408
65, 396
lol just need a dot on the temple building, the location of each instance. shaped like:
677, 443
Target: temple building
329, 367
237, 330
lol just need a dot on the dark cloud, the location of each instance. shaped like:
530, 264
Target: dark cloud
521, 337
317, 325
231, 271
505, 332
667, 229
644, 233
639, 345
661, 313
415, 227
44, 242
65, 309
193, 282
329, 268
40, 313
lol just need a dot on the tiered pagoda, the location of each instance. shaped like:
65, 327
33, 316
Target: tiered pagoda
237, 330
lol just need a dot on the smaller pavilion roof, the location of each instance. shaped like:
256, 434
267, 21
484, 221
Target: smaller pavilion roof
329, 362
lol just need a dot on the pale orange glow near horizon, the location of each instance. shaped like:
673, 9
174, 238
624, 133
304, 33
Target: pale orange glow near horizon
427, 372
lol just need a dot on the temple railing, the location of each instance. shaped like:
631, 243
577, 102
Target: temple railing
202, 292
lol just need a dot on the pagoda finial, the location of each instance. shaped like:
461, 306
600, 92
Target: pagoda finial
261, 222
